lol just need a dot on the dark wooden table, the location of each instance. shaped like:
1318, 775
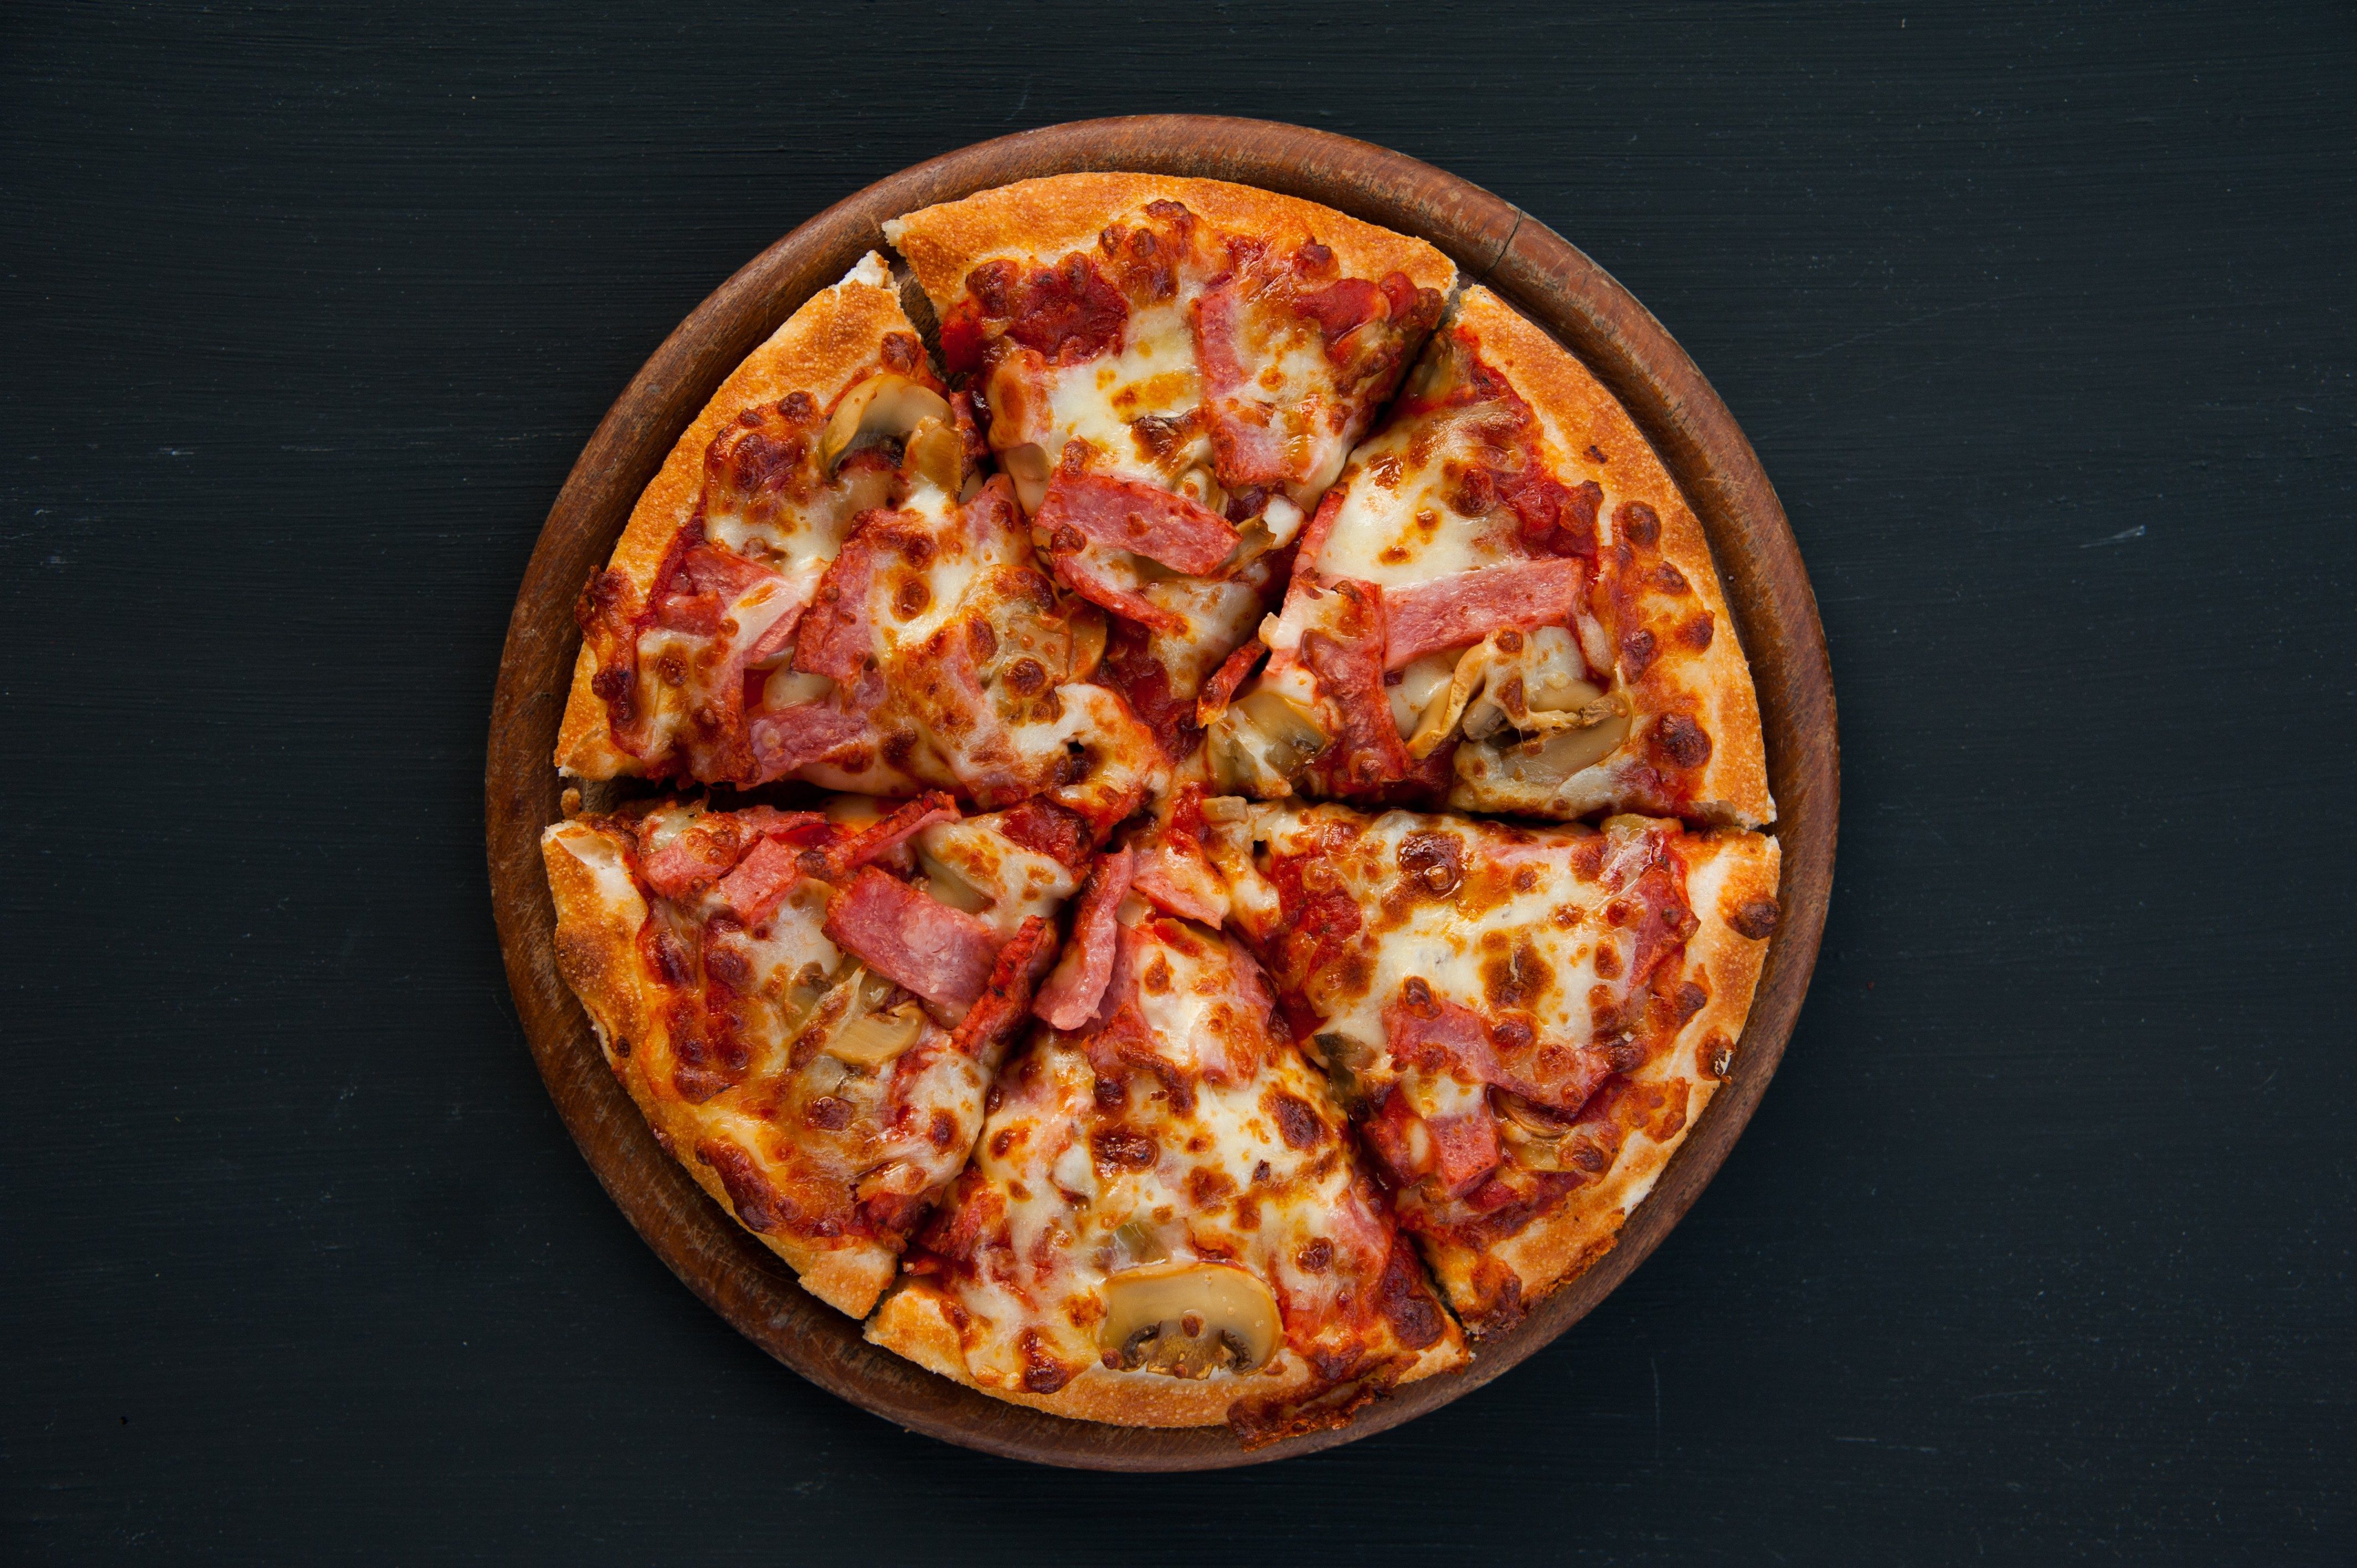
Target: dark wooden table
2041, 1246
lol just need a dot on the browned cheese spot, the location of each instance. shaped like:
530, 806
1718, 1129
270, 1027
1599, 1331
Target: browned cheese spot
1519, 979
1296, 1124
1682, 741
1122, 1147
1433, 863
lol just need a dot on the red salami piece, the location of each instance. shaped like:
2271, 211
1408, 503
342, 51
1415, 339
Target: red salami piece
1140, 518
1077, 983
888, 834
943, 954
1465, 607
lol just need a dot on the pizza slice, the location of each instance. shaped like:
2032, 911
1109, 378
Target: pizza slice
1504, 605
1172, 371
808, 1006
819, 584
1523, 1022
1166, 1222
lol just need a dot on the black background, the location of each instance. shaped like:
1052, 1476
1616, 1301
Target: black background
2041, 1246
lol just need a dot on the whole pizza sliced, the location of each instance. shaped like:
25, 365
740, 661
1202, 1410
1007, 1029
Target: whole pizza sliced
820, 584
808, 1006
1166, 1222
1505, 604
1523, 1022
1172, 371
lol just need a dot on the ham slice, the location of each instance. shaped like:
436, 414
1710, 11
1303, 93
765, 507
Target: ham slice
1077, 983
1220, 689
1466, 606
945, 955
1441, 1035
836, 639
1086, 570
1314, 537
1247, 449
1007, 998
1456, 1151
887, 834
789, 739
1345, 652
1142, 519
762, 879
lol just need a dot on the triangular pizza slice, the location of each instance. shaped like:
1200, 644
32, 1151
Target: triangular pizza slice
1172, 372
1523, 1022
819, 584
807, 1005
1504, 605
1167, 1222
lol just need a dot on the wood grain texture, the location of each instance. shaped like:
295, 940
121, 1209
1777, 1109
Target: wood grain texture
2038, 1251
1768, 597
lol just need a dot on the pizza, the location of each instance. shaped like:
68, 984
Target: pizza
1185, 838
1525, 1022
1167, 1221
820, 586
1504, 606
808, 1005
1172, 372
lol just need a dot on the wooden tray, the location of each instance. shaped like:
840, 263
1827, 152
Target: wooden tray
1548, 280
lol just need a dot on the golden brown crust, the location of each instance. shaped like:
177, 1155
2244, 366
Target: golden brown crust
1731, 870
1051, 217
599, 913
822, 348
914, 1321
1580, 416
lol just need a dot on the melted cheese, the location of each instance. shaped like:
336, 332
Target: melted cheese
1221, 1184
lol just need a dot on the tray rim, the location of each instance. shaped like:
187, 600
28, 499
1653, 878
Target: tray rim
1538, 272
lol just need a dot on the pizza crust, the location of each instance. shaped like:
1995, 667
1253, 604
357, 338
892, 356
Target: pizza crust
822, 348
1729, 869
914, 1321
599, 913
1047, 217
1578, 412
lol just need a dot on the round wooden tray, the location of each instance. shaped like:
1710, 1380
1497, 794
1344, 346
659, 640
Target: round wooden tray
1543, 277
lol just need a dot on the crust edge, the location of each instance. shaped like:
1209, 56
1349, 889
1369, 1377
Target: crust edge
1579, 411
821, 348
597, 956
914, 1323
1555, 1251
1057, 214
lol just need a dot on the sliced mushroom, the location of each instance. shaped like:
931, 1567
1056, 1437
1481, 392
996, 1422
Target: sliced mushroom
884, 407
1028, 467
1188, 1320
1260, 742
1419, 685
1526, 681
936, 454
1550, 760
874, 1038
852, 1025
